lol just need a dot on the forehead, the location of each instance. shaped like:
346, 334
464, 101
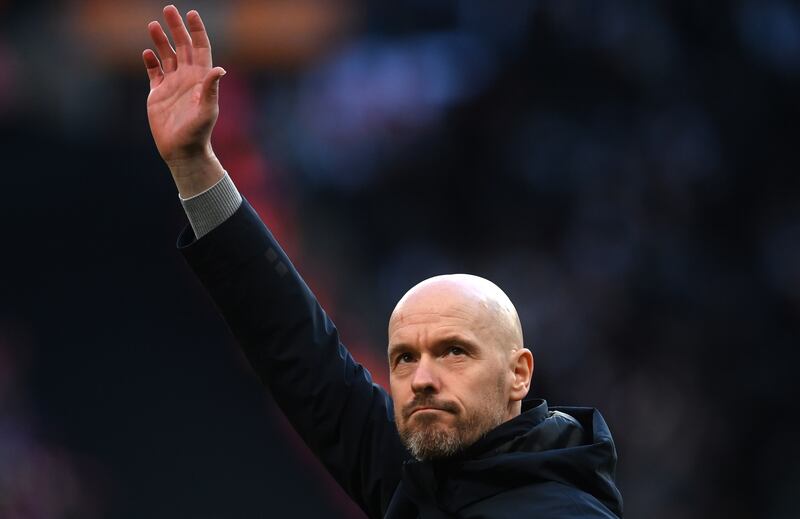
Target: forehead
435, 313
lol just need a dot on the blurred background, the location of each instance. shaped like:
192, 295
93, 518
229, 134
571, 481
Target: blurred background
627, 171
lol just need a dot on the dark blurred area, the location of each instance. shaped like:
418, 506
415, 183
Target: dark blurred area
626, 171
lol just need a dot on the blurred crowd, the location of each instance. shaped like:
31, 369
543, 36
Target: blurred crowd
626, 171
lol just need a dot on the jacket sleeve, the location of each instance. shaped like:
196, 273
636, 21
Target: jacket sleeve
330, 399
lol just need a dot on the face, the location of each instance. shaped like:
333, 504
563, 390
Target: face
452, 376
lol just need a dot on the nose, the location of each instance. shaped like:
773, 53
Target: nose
425, 379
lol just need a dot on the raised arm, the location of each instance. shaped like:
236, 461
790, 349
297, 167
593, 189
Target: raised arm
289, 340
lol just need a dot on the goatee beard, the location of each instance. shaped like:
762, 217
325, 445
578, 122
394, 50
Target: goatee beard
428, 439
429, 442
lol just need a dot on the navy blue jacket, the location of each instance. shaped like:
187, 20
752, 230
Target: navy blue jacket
544, 463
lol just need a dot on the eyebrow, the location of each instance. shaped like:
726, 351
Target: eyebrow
399, 347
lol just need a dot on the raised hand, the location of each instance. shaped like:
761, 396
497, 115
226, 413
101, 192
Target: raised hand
183, 103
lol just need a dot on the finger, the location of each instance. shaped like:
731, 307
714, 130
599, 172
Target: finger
200, 42
211, 84
154, 71
166, 53
183, 42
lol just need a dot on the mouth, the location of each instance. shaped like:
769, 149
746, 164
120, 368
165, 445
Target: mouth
422, 409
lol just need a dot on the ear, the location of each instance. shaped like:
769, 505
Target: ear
522, 365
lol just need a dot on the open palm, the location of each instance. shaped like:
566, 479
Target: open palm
182, 106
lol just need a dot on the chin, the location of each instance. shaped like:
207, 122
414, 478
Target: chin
431, 440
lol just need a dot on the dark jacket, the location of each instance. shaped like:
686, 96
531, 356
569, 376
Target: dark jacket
544, 463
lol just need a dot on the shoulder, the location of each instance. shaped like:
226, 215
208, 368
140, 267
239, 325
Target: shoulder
545, 499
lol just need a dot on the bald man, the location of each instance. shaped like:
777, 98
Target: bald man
458, 367
459, 440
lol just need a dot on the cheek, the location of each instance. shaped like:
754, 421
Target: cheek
487, 388
397, 391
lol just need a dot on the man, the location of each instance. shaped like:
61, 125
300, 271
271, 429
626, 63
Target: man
458, 440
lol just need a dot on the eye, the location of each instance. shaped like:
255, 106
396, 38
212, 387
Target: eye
404, 358
456, 350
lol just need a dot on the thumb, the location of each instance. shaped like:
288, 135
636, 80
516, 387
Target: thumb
211, 84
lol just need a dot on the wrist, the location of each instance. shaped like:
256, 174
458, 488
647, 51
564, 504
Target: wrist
193, 175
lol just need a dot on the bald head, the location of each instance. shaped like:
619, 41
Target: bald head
484, 307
